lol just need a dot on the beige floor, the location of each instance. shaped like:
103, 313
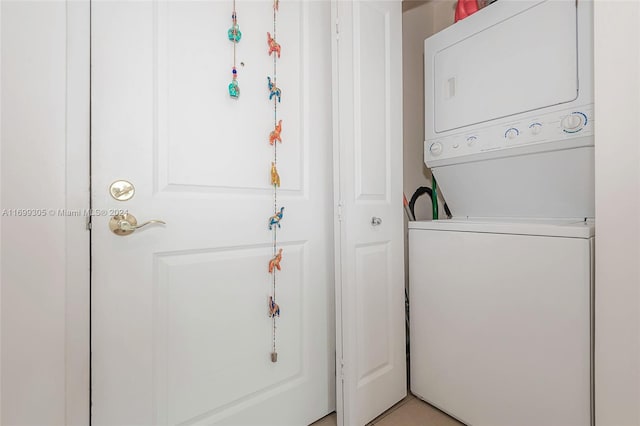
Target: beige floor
409, 412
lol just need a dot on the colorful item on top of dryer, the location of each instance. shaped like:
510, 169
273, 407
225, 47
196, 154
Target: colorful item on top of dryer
275, 220
465, 8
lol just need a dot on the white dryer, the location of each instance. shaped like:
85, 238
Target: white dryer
501, 320
509, 118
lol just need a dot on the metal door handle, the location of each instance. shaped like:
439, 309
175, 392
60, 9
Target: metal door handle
125, 224
375, 221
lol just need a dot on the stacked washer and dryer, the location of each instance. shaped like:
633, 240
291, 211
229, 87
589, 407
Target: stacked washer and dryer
501, 295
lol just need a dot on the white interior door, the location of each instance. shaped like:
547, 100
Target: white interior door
180, 331
370, 249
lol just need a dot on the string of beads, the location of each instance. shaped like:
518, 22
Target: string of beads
275, 95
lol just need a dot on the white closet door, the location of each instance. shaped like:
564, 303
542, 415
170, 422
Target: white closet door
368, 148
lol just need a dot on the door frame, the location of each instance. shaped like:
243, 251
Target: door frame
78, 198
338, 231
77, 340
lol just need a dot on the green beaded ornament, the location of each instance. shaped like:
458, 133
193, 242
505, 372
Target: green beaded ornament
234, 89
234, 32
234, 35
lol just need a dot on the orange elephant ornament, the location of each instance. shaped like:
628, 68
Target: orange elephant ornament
274, 136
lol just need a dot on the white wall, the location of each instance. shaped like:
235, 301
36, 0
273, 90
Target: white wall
1, 62
443, 14
44, 165
617, 103
418, 23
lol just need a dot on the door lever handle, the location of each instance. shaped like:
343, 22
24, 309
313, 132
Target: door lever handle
125, 224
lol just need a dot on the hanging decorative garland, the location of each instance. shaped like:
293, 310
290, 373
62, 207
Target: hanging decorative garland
234, 35
274, 139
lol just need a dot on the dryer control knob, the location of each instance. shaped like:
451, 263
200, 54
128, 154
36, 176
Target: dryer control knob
573, 122
536, 128
436, 149
511, 133
471, 140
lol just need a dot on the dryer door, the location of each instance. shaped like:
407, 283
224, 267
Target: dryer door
507, 59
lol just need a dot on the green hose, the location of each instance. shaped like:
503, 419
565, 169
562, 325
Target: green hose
434, 197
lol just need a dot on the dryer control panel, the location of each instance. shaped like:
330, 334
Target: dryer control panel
542, 132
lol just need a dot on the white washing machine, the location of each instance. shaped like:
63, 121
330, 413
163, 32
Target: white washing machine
501, 320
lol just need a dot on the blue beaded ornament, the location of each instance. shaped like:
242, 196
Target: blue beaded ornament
276, 218
273, 90
234, 89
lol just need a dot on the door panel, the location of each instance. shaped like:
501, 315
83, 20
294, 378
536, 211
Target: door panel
373, 313
371, 97
186, 126
183, 314
180, 331
370, 288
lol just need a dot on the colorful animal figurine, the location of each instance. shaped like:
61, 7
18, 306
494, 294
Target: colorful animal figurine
275, 220
274, 309
234, 32
234, 89
275, 177
275, 262
273, 45
275, 134
273, 90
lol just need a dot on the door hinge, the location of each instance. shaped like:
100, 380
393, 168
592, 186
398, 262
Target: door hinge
337, 29
340, 211
88, 223
342, 370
